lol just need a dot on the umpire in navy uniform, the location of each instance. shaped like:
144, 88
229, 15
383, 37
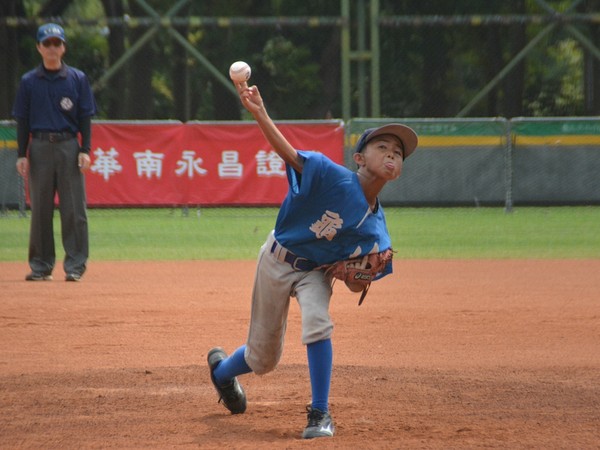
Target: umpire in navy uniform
53, 104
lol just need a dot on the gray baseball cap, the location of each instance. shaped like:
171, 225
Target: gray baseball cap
407, 136
50, 30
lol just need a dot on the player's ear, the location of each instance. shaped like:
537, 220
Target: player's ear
359, 159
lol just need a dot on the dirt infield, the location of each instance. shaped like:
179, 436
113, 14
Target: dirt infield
442, 354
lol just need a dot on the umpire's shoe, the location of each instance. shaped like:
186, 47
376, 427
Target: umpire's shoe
38, 276
232, 395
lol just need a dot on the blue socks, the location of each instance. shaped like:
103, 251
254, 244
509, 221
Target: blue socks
320, 363
231, 367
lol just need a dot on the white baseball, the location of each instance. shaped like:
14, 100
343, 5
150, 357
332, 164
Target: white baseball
239, 72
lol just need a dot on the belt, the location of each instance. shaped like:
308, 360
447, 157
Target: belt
297, 262
53, 137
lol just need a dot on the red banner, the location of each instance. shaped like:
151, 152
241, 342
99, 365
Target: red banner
150, 164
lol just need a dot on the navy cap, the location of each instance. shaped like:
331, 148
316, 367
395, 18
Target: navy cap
407, 137
50, 30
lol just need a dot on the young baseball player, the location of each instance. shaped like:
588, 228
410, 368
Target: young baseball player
330, 214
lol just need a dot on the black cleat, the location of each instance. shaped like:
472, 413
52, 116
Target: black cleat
320, 424
231, 395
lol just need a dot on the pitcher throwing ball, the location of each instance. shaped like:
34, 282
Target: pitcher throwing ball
330, 225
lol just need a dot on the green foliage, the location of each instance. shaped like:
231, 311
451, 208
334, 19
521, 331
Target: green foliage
425, 71
296, 84
163, 94
237, 233
560, 75
86, 50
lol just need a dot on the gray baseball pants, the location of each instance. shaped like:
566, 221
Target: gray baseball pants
53, 168
275, 283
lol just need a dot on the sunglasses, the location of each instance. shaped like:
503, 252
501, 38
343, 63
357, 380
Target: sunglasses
54, 42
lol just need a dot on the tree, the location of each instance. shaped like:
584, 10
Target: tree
10, 71
426, 70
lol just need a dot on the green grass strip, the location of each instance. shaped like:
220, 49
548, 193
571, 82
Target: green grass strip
237, 233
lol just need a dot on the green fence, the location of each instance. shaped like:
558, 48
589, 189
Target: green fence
12, 186
522, 161
458, 162
556, 161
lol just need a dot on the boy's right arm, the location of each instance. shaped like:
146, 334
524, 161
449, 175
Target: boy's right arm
252, 101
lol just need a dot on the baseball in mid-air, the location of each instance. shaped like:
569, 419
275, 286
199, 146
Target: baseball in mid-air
239, 72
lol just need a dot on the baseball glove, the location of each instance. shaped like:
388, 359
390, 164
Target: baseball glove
358, 273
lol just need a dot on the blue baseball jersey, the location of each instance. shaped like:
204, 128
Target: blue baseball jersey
325, 216
54, 101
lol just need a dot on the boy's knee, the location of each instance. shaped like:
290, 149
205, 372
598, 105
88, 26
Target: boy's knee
262, 363
317, 332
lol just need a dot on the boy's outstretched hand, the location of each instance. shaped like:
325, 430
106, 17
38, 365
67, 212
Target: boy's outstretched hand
250, 98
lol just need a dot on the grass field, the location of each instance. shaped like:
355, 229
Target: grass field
237, 233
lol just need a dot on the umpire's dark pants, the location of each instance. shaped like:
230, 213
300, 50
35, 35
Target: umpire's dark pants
53, 168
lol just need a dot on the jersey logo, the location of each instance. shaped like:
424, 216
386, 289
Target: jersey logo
66, 104
328, 225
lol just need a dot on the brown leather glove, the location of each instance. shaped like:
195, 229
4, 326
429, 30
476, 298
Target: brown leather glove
358, 273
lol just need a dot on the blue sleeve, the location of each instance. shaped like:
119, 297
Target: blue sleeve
87, 102
22, 100
317, 173
302, 183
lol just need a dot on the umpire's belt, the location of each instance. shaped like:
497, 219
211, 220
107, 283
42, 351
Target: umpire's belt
53, 137
297, 262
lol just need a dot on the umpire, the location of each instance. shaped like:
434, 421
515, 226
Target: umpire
53, 104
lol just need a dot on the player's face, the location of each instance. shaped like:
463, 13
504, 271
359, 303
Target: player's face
383, 156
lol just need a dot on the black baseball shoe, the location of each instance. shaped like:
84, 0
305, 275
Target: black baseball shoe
231, 395
38, 276
320, 424
73, 277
